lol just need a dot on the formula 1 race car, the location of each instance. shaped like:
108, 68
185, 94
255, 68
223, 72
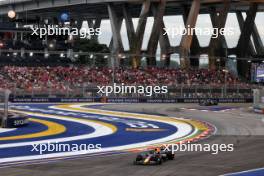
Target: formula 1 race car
152, 157
208, 102
166, 154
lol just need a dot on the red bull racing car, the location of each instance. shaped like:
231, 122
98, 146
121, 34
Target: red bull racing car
153, 157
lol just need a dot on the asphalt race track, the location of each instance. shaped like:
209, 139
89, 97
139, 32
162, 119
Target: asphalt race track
235, 124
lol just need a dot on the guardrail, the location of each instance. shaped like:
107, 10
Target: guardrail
126, 100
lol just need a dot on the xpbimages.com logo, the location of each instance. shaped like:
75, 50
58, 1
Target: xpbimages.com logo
194, 147
207, 31
43, 148
52, 30
124, 89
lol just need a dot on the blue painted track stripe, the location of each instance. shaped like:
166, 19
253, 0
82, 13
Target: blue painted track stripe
253, 172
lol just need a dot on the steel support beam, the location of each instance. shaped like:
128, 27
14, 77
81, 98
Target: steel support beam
119, 25
257, 41
195, 46
244, 40
186, 41
131, 34
218, 45
158, 12
248, 47
165, 45
140, 31
117, 45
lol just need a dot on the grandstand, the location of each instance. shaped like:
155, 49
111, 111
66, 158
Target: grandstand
57, 79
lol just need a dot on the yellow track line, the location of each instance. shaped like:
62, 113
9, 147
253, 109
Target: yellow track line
53, 129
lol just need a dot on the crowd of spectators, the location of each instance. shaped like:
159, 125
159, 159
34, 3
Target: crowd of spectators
61, 77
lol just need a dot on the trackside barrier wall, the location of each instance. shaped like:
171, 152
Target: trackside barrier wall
126, 100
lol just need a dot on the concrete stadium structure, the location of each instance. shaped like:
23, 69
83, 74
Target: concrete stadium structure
249, 44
